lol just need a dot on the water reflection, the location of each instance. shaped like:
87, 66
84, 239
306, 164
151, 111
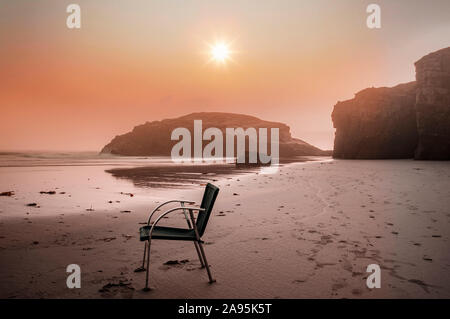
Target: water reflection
176, 176
186, 175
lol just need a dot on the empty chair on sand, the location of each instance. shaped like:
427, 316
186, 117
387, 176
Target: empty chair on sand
194, 232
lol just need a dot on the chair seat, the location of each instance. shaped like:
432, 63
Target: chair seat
169, 233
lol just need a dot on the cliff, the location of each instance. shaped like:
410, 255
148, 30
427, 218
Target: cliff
379, 123
409, 120
153, 138
433, 106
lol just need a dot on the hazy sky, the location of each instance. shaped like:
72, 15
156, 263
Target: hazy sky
138, 61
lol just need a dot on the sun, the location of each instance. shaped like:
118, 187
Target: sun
220, 52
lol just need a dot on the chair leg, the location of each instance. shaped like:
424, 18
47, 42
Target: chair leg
199, 254
142, 268
148, 264
211, 280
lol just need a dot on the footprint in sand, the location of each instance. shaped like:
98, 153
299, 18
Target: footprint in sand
120, 287
184, 263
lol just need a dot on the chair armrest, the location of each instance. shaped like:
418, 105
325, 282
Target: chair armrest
190, 208
168, 202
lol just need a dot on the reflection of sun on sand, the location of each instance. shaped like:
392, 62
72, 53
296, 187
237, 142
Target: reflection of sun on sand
310, 230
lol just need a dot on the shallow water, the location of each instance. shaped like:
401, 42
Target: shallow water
88, 182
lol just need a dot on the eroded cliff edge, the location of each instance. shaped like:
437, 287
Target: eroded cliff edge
154, 138
410, 120
433, 105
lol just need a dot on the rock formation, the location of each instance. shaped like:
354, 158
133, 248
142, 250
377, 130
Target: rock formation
154, 138
406, 121
433, 106
378, 123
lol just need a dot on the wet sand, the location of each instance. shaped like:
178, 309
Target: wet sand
308, 231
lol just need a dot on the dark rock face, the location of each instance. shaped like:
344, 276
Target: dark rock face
433, 106
406, 121
379, 123
154, 138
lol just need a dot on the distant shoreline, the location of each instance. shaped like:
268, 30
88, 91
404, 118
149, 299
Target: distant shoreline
36, 159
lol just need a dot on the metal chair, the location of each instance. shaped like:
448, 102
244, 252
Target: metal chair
195, 231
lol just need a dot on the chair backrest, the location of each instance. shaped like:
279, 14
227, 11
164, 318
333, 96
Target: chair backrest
209, 197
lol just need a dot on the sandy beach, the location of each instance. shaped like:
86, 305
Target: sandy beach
309, 231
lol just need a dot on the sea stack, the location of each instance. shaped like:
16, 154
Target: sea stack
154, 138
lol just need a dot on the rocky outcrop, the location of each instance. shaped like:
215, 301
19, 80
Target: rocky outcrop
406, 121
154, 138
433, 106
379, 123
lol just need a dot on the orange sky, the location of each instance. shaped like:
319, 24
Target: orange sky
140, 61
